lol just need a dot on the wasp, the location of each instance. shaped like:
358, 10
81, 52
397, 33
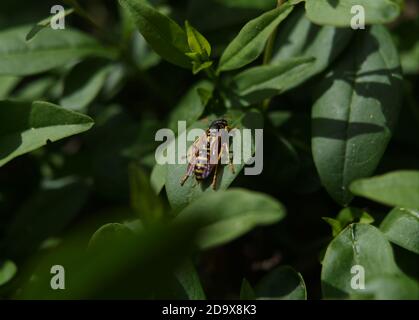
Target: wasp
206, 152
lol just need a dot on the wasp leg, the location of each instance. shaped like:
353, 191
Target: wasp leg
214, 178
230, 164
189, 172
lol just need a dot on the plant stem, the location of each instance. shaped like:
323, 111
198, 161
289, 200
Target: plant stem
267, 56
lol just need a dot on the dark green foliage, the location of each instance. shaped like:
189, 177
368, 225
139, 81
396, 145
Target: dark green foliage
81, 185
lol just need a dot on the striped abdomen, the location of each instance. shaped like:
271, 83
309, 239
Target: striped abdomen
203, 167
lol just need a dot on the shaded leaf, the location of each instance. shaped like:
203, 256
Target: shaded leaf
401, 226
83, 84
188, 278
398, 188
46, 22
282, 283
354, 116
164, 35
192, 105
27, 126
258, 83
358, 245
50, 49
298, 37
229, 214
339, 12
250, 42
8, 270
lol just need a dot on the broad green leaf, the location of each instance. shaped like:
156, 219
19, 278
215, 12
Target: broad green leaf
27, 126
50, 49
358, 245
179, 196
391, 287
191, 105
83, 84
188, 278
7, 84
341, 12
246, 291
8, 270
144, 200
354, 115
164, 35
197, 42
250, 42
282, 283
229, 214
396, 189
298, 37
46, 22
401, 226
44, 215
258, 83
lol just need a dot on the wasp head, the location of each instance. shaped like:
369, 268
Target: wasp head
219, 124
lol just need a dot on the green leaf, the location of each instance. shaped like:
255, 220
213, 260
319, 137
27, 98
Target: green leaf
8, 270
7, 84
83, 84
354, 115
391, 287
192, 105
250, 42
43, 215
144, 200
109, 232
401, 226
164, 35
282, 283
229, 214
27, 126
358, 245
338, 12
258, 83
346, 216
197, 42
50, 49
335, 224
396, 189
188, 278
46, 22
179, 196
197, 67
298, 37
246, 291
350, 214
